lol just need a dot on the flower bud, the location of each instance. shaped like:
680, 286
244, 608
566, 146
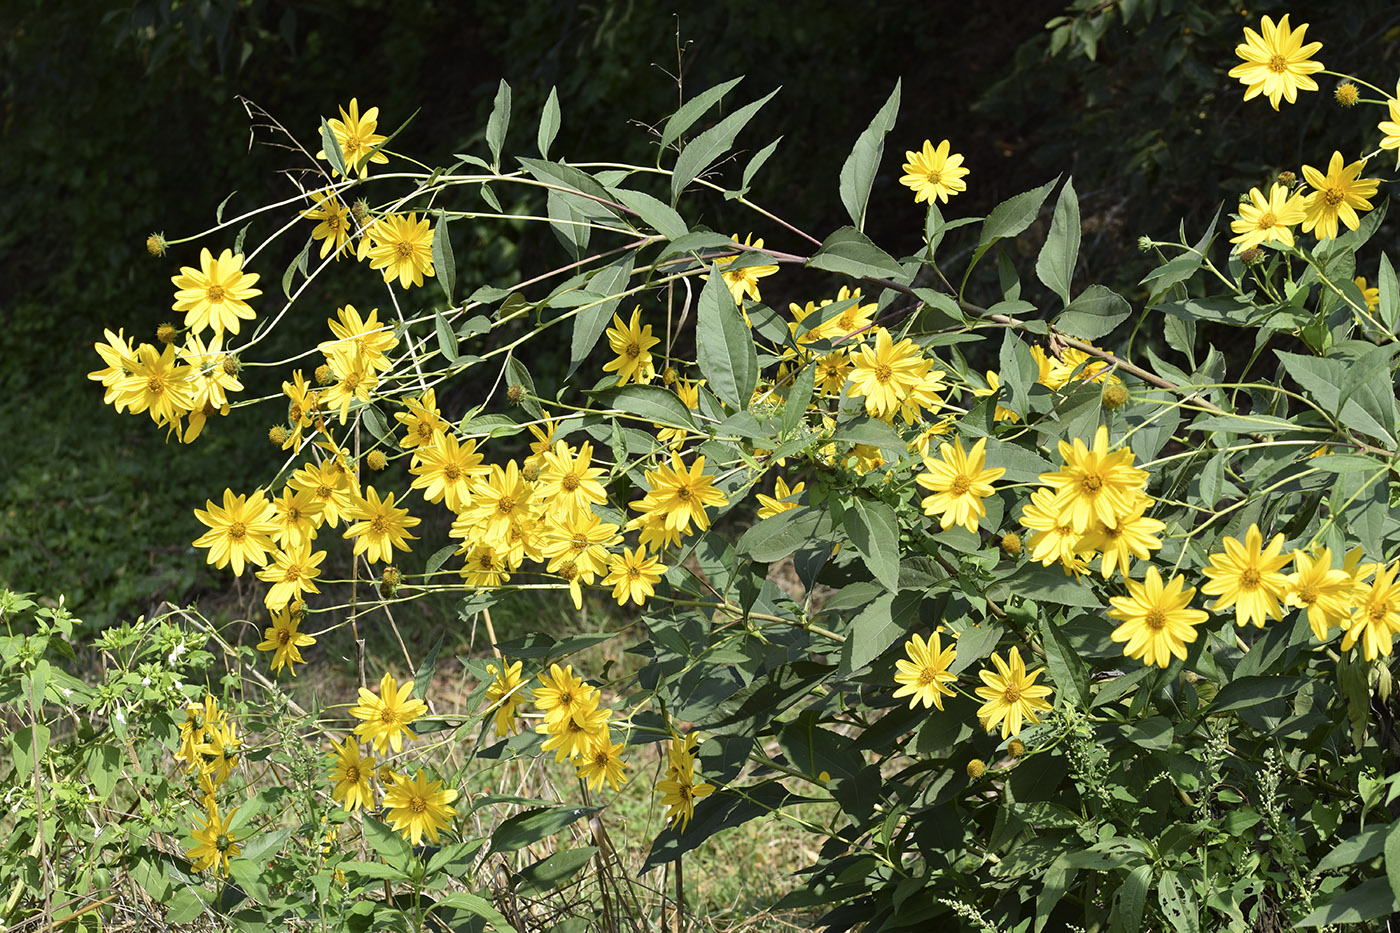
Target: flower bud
515, 394
976, 768
1114, 396
1145, 244
1011, 544
531, 472
165, 333
1287, 179
277, 435
1016, 748
230, 366
1346, 94
323, 375
1252, 256
156, 245
376, 460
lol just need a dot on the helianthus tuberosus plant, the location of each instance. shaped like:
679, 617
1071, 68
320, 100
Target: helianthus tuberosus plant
1141, 598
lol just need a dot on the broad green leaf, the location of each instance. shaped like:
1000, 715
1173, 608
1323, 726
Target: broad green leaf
447, 341
1367, 901
1015, 214
1369, 386
331, 145
569, 177
875, 433
298, 263
424, 675
1093, 314
529, 826
1182, 267
518, 375
1066, 667
726, 352
1389, 310
549, 123
478, 906
798, 398
1055, 264
692, 110
702, 151
874, 532
1053, 886
657, 214
187, 904
858, 172
552, 871
1243, 424
1392, 856
1325, 381
608, 283
1244, 692
651, 403
752, 168
392, 847
719, 811
1132, 897
1177, 903
782, 535
850, 252
498, 123
444, 262
880, 625
1361, 847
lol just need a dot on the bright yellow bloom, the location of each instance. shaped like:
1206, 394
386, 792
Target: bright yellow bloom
1376, 615
777, 503
216, 843
633, 575
386, 717
886, 373
832, 372
446, 470
296, 513
200, 721
1095, 484
485, 566
574, 735
329, 488
218, 754
852, 323
678, 794
679, 494
369, 338
582, 541
1324, 591
293, 573
157, 383
1339, 193
603, 762
351, 776
1372, 296
563, 694
1011, 695
423, 421
216, 294
568, 481
418, 807
1055, 539
302, 408
1268, 220
1391, 127
356, 136
378, 527
632, 342
1276, 63
924, 677
1249, 577
1157, 622
993, 386
356, 380
120, 357
402, 247
1133, 535
335, 222
505, 693
743, 282
934, 174
958, 483
284, 641
240, 531
498, 500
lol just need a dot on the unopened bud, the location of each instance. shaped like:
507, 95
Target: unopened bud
976, 768
515, 394
1346, 94
1114, 396
668, 375
1016, 748
1252, 256
277, 435
1011, 544
1145, 243
376, 460
1287, 179
155, 244
323, 375
531, 472
165, 333
230, 366
360, 211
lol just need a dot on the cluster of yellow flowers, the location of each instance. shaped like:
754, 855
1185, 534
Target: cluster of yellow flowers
209, 746
577, 728
678, 789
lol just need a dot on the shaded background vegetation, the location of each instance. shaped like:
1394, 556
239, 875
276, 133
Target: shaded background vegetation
122, 119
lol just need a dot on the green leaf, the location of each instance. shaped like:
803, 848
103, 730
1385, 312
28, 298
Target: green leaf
781, 535
651, 403
569, 177
1389, 310
1368, 385
752, 168
1244, 692
1053, 886
497, 124
880, 625
1066, 667
187, 904
1367, 901
478, 906
373, 870
726, 352
657, 214
692, 110
552, 871
1362, 847
1094, 313
1132, 897
332, 148
850, 252
1055, 265
798, 398
424, 675
1325, 381
392, 847
1014, 215
549, 123
703, 150
447, 341
874, 432
1392, 855
298, 263
533, 825
1177, 903
444, 263
858, 172
608, 283
719, 811
874, 533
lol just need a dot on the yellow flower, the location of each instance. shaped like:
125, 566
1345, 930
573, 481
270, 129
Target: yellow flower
574, 735
1133, 535
1248, 577
329, 488
1391, 127
1324, 591
296, 513
356, 380
446, 469
370, 339
958, 483
284, 641
293, 572
240, 531
678, 794
401, 246
1371, 295
679, 494
886, 373
603, 762
934, 174
994, 386
158, 384
335, 222
200, 721
216, 294
832, 371
218, 754
504, 693
120, 357
351, 776
1095, 484
1268, 220
563, 694
216, 843
924, 676
744, 282
379, 527
484, 566
498, 500
386, 717
417, 808
1339, 193
356, 136
1276, 64
423, 421
632, 342
1011, 695
1376, 615
777, 503
1156, 621
633, 575
568, 481
1055, 538
581, 542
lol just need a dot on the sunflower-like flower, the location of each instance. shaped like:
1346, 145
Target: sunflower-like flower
293, 573
216, 294
335, 222
401, 247
1249, 577
679, 494
743, 282
1268, 220
1095, 484
1157, 622
351, 776
924, 677
378, 527
1276, 63
239, 532
284, 641
633, 575
1391, 128
933, 173
1338, 194
385, 718
356, 136
958, 483
603, 761
419, 807
778, 503
1376, 616
1011, 695
632, 342
505, 693
215, 842
886, 373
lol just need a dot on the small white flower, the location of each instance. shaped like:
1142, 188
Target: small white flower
119, 716
67, 693
145, 681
